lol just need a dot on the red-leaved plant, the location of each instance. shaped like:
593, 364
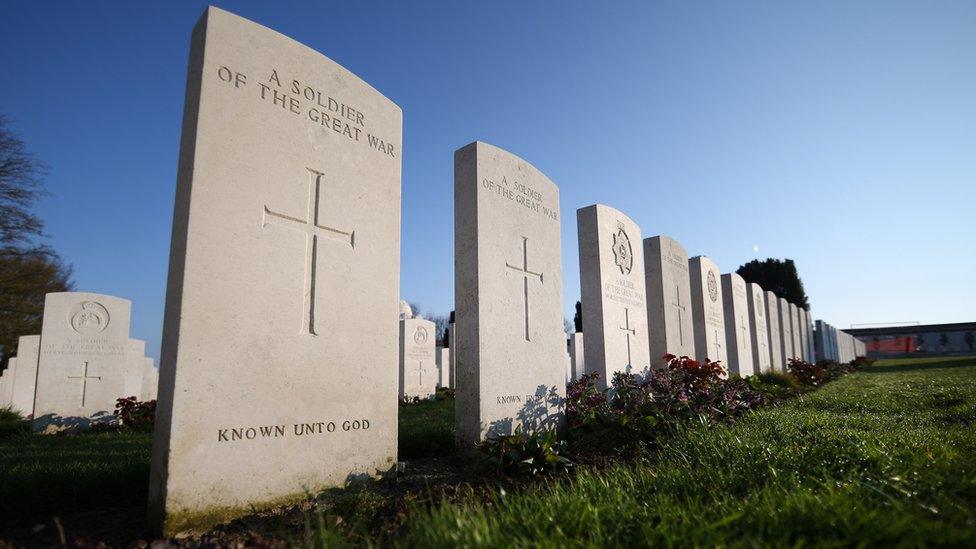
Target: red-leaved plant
132, 414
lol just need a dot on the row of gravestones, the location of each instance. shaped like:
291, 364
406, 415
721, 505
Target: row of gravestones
280, 331
642, 299
72, 374
837, 345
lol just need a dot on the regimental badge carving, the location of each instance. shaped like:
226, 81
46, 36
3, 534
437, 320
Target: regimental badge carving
712, 286
758, 302
420, 336
88, 318
622, 254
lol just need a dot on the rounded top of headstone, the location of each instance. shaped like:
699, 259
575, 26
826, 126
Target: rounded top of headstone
735, 280
405, 310
486, 152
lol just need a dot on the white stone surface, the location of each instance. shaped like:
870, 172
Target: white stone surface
135, 363
795, 332
785, 331
738, 336
25, 383
7, 383
418, 362
759, 329
577, 355
82, 363
668, 289
773, 329
405, 310
443, 355
278, 371
707, 309
508, 296
804, 343
150, 380
611, 263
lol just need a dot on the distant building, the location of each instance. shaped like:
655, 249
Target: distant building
958, 338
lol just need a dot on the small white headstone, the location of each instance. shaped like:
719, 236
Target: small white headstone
758, 327
577, 356
508, 294
785, 332
773, 327
669, 321
150, 380
25, 384
795, 332
612, 292
707, 310
738, 337
418, 362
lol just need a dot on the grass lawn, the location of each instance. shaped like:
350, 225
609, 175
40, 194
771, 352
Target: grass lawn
884, 456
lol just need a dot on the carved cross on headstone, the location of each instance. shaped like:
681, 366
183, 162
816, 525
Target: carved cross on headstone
743, 344
526, 273
313, 231
718, 347
680, 308
420, 369
629, 332
84, 377
762, 351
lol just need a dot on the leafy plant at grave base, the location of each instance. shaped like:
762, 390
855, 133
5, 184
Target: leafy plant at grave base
806, 373
444, 393
633, 413
862, 361
525, 454
12, 423
135, 415
776, 385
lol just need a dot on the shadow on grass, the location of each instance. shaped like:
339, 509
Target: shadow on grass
909, 365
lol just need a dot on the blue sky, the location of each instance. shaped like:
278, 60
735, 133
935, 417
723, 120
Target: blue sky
839, 134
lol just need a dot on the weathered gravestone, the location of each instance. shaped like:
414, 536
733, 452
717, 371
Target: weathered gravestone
738, 337
82, 362
808, 331
707, 311
795, 332
6, 383
577, 356
278, 370
135, 364
612, 293
668, 286
150, 380
772, 328
443, 355
757, 327
25, 381
785, 332
418, 363
508, 296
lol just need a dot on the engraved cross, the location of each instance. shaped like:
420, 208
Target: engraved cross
313, 231
84, 377
680, 308
526, 273
718, 346
629, 332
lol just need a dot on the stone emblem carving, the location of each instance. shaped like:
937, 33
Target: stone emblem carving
622, 254
88, 318
420, 336
712, 286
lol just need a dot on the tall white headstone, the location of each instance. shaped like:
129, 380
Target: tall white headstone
418, 362
577, 356
785, 332
795, 332
150, 380
25, 383
758, 328
773, 328
738, 337
668, 286
7, 383
707, 310
280, 329
508, 296
443, 355
452, 370
612, 292
83, 360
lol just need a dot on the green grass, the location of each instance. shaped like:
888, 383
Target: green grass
426, 429
886, 456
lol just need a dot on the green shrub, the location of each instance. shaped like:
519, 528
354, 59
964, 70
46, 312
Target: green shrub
523, 454
12, 423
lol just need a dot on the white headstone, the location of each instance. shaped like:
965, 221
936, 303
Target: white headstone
25, 382
280, 329
418, 363
452, 371
669, 321
795, 332
707, 310
612, 292
785, 332
773, 328
150, 380
508, 294
7, 383
577, 356
83, 360
443, 355
758, 328
738, 336
135, 363
405, 310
